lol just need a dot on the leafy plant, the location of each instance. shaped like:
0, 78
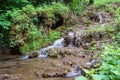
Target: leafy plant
29, 10
110, 67
81, 78
110, 62
77, 6
4, 23
53, 36
34, 40
105, 1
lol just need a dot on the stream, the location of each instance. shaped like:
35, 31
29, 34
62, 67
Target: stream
43, 53
43, 67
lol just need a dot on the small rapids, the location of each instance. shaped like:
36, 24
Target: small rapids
74, 73
43, 53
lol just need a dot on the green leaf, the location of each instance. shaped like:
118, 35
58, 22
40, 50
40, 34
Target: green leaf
81, 78
99, 77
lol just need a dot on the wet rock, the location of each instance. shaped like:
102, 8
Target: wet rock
4, 76
10, 77
92, 63
47, 75
68, 62
53, 53
70, 39
33, 54
86, 46
76, 71
55, 64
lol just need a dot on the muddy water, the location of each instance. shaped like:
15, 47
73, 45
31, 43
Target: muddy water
45, 68
32, 69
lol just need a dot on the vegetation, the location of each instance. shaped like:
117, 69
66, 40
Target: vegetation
31, 24
36, 40
110, 63
18, 17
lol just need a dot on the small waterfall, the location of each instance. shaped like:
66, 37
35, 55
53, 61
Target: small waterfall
74, 73
59, 43
43, 53
71, 36
23, 57
100, 17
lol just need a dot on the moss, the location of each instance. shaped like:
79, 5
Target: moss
53, 53
12, 32
34, 54
93, 42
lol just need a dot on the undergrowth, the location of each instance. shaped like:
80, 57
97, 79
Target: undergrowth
36, 40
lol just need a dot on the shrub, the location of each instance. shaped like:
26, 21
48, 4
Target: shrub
77, 6
17, 17
29, 10
33, 41
52, 9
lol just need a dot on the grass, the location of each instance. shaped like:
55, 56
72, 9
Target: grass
37, 42
107, 28
105, 1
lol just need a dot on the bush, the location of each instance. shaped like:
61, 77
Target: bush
77, 6
29, 10
35, 40
52, 9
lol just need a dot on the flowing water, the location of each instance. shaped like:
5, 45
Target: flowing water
43, 53
42, 64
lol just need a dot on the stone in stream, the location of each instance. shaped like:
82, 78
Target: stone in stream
76, 71
33, 55
47, 75
91, 63
10, 77
53, 53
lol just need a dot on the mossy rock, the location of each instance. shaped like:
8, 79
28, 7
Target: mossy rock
53, 53
33, 55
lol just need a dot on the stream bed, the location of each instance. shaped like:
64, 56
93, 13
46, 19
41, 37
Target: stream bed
54, 62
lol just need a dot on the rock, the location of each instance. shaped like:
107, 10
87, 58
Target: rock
33, 54
53, 53
47, 75
4, 76
86, 46
68, 62
10, 77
